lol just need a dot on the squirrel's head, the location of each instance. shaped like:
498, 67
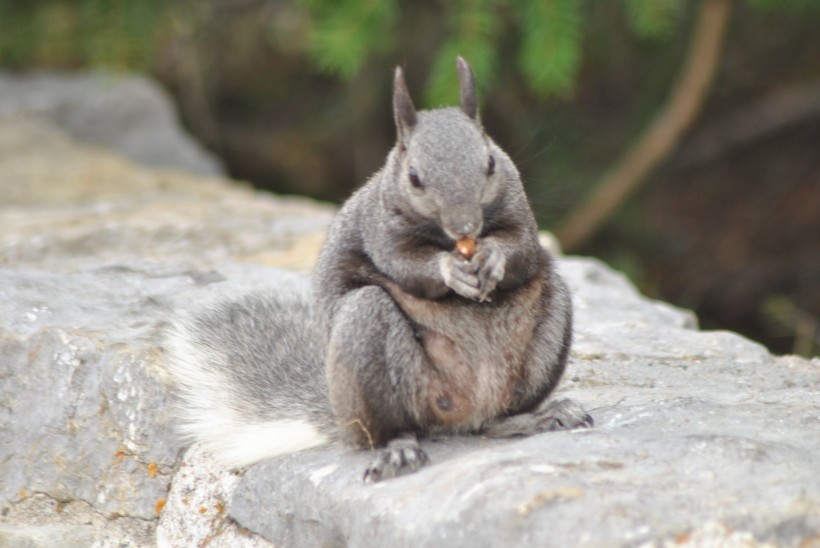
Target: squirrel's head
446, 169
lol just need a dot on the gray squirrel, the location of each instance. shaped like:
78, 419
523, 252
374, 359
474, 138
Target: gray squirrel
405, 335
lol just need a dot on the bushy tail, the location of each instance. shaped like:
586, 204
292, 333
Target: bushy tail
251, 380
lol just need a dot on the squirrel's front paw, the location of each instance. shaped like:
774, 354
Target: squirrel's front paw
475, 278
402, 455
460, 275
490, 267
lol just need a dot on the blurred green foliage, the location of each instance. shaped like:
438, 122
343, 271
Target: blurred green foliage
545, 37
345, 32
653, 18
60, 33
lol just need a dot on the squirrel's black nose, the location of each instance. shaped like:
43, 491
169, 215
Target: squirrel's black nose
467, 228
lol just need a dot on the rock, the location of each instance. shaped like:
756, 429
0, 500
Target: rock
124, 112
95, 255
31, 537
700, 437
41, 521
693, 430
67, 204
197, 508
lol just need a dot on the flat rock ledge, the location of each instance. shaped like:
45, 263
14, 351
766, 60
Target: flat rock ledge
701, 438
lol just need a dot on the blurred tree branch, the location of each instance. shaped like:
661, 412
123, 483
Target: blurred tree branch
776, 111
666, 130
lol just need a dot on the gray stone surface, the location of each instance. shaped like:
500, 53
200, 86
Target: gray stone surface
701, 438
85, 406
33, 536
95, 254
127, 113
196, 512
692, 429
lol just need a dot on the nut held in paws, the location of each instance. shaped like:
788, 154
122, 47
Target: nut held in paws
466, 247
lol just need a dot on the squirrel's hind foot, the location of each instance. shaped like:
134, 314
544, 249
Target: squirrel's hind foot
402, 455
562, 414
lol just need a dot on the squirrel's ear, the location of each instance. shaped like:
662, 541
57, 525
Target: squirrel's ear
469, 100
403, 110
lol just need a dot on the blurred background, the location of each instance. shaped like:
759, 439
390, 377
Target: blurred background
677, 140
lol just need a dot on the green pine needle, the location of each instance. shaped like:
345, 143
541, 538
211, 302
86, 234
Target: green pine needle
344, 36
474, 28
653, 19
550, 50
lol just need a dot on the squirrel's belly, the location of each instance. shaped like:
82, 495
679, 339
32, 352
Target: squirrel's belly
478, 354
464, 387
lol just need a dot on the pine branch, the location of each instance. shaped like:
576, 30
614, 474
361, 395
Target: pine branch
345, 34
653, 19
474, 29
550, 51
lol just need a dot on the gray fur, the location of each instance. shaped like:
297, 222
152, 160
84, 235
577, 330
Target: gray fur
254, 338
250, 377
420, 340
409, 338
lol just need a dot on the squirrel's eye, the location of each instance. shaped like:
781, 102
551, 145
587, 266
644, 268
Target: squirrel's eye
490, 166
414, 178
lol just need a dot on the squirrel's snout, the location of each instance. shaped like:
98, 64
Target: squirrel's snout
467, 228
463, 226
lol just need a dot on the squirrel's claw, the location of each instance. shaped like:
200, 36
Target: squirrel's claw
492, 265
564, 414
477, 278
460, 276
401, 456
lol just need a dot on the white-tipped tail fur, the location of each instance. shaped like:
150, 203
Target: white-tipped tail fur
211, 411
238, 445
